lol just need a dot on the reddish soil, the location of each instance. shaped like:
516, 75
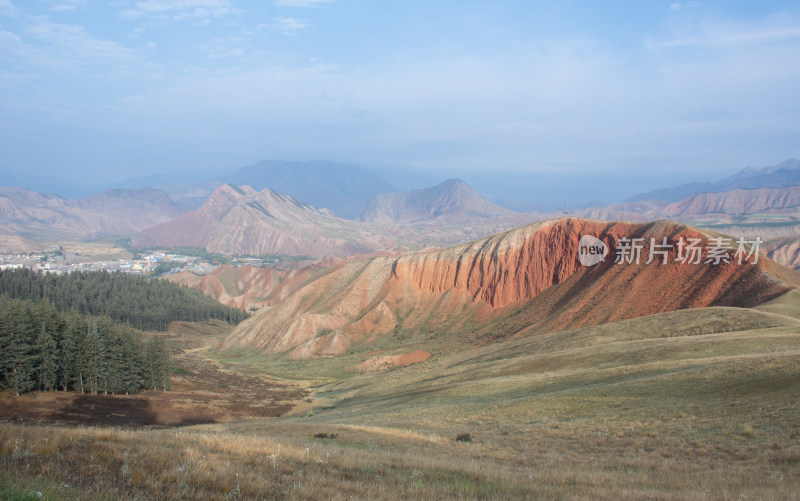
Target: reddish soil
201, 393
524, 278
247, 287
388, 361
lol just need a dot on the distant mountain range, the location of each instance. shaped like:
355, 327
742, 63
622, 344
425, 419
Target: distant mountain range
449, 202
246, 220
729, 203
342, 188
241, 220
113, 212
778, 176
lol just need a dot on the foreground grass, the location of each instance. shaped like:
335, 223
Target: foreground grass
701, 404
283, 460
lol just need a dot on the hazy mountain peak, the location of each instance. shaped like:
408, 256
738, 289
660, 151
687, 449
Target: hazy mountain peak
450, 201
784, 174
344, 189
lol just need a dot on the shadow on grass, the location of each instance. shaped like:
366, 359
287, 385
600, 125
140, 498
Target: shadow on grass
107, 410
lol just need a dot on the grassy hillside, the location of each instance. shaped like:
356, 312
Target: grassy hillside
694, 404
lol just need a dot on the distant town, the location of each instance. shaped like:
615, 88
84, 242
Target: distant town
153, 263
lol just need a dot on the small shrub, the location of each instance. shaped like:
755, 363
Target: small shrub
464, 437
326, 435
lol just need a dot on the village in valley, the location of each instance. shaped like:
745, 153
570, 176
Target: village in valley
55, 260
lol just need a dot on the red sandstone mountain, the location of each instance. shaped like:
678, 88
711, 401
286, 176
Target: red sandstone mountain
452, 201
246, 287
112, 212
529, 279
242, 221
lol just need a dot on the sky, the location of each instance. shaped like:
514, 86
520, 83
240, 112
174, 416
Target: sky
633, 94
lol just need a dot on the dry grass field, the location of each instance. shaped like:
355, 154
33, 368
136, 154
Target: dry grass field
695, 404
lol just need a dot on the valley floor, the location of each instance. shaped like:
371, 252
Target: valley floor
695, 404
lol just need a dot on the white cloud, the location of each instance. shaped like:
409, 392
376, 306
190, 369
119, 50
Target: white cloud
72, 43
572, 100
302, 3
736, 38
289, 25
178, 10
6, 8
67, 5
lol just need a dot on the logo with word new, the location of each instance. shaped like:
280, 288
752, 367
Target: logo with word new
591, 250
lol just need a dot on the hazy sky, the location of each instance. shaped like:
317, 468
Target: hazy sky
112, 89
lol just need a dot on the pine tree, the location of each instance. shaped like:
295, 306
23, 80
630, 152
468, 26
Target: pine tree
132, 362
19, 363
94, 362
109, 335
158, 363
46, 360
69, 352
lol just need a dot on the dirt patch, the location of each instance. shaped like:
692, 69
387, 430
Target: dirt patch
201, 393
389, 361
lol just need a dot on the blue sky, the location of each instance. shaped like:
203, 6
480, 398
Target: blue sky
637, 91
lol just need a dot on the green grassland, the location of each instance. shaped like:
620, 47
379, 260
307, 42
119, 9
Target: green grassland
694, 404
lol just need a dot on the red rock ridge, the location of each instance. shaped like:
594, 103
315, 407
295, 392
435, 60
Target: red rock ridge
519, 265
525, 280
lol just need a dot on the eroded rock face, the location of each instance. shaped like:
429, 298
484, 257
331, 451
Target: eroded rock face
784, 251
519, 265
529, 278
246, 287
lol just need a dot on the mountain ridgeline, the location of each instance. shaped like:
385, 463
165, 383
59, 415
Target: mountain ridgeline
241, 220
784, 174
341, 188
452, 201
111, 212
522, 281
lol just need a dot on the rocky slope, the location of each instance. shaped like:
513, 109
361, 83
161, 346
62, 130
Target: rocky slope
242, 221
246, 287
112, 212
529, 278
452, 201
12, 243
785, 251
728, 203
735, 202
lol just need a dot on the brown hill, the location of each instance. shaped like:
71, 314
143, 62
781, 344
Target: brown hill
529, 279
246, 287
113, 212
735, 202
9, 242
243, 221
727, 203
785, 251
452, 201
